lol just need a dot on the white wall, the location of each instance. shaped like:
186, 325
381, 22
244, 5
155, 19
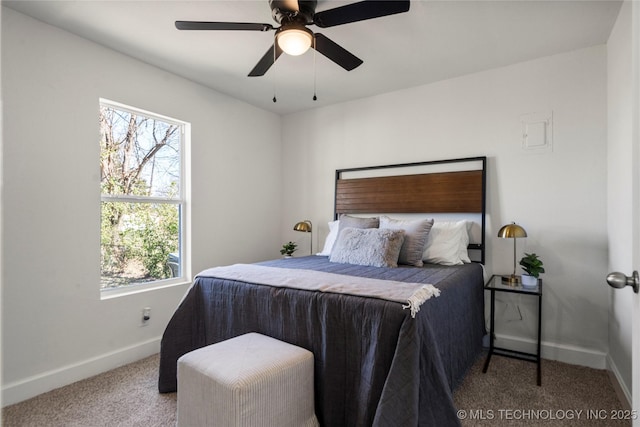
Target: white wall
55, 328
558, 197
619, 178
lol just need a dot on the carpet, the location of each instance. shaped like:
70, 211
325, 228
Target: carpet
507, 395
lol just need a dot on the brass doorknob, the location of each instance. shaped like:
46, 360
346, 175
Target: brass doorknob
619, 280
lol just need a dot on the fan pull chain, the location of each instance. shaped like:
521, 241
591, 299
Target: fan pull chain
315, 98
274, 80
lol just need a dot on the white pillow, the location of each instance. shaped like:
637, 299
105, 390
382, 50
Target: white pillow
331, 238
415, 237
447, 244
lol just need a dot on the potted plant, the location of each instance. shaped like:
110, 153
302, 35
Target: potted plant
532, 265
288, 249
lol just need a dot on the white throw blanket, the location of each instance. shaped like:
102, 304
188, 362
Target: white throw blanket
411, 294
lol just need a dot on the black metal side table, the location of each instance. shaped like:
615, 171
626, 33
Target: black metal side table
495, 284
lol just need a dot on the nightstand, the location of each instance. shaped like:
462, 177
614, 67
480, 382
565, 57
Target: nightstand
495, 284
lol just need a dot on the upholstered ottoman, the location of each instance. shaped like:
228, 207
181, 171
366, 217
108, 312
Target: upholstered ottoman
250, 380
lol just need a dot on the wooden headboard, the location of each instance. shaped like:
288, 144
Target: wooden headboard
453, 186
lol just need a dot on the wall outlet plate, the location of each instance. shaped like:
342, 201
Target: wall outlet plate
146, 315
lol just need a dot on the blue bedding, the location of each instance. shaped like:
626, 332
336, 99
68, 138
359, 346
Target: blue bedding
374, 364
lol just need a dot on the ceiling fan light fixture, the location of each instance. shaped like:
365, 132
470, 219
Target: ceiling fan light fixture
294, 38
295, 41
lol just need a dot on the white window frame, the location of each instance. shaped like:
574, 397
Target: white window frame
183, 202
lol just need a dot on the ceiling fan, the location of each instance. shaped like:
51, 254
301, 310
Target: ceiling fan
294, 38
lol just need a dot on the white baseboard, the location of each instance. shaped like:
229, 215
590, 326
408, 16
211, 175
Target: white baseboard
622, 390
553, 351
32, 386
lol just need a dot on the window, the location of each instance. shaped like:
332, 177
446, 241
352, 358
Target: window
143, 209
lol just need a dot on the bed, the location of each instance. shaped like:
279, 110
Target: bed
377, 361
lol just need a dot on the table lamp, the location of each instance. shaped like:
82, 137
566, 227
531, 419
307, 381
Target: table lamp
512, 231
306, 227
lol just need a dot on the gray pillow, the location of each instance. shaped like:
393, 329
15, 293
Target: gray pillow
347, 221
416, 233
368, 246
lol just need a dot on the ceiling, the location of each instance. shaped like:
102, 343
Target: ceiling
435, 40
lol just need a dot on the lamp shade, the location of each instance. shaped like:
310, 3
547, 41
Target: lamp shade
512, 231
294, 41
304, 226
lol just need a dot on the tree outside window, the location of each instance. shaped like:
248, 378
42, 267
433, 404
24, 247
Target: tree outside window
141, 163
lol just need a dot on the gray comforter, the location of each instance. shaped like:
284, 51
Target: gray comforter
374, 363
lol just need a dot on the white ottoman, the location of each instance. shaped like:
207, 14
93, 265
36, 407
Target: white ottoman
250, 380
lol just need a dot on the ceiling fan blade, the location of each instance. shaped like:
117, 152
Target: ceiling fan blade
246, 26
336, 53
266, 61
360, 11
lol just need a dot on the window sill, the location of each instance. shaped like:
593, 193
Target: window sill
137, 289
